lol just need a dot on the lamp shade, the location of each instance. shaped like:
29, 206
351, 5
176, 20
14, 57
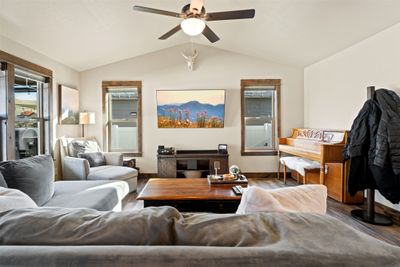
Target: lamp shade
87, 118
193, 26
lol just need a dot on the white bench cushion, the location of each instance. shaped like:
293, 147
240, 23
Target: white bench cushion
300, 164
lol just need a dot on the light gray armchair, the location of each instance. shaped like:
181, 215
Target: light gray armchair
74, 168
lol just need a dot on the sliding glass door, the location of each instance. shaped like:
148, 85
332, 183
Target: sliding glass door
29, 109
25, 108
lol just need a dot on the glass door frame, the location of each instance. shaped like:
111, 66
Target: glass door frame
8, 64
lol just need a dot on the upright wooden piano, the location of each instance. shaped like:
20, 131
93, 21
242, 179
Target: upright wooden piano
325, 147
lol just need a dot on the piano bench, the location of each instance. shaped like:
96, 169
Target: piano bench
303, 167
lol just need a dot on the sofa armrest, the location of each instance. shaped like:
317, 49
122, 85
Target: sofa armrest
75, 168
113, 158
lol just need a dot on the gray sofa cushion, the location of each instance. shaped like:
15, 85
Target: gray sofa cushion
109, 172
14, 199
2, 180
95, 158
99, 195
286, 239
34, 176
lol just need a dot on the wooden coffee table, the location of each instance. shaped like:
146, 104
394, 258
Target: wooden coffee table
195, 195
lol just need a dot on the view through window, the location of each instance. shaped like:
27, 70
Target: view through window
122, 104
123, 119
259, 117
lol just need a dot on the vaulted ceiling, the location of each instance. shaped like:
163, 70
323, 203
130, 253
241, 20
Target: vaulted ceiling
84, 34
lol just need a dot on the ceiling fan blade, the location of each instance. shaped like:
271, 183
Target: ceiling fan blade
226, 15
170, 33
210, 35
196, 4
157, 11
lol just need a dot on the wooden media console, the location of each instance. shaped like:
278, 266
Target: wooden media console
204, 161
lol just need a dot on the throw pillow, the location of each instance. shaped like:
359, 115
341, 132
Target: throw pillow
2, 181
95, 158
82, 146
14, 199
303, 198
34, 176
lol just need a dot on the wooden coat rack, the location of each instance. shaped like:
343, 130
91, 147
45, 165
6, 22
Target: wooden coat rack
369, 215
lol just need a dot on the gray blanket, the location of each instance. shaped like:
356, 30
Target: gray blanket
200, 239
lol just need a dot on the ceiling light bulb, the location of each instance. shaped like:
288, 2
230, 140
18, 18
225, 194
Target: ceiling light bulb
193, 26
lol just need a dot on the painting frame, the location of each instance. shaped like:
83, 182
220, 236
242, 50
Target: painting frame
190, 108
68, 105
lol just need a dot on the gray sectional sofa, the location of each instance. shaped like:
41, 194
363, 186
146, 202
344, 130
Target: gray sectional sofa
74, 226
35, 177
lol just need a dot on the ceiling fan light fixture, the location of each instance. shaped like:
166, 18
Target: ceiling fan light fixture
193, 26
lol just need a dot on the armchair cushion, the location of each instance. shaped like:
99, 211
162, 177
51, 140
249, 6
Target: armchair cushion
34, 176
77, 146
95, 159
108, 172
113, 158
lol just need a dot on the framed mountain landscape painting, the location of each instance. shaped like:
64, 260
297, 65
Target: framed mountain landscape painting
68, 105
190, 108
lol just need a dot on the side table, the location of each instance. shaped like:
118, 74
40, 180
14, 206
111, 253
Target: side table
131, 163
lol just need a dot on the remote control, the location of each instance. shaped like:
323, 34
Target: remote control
237, 189
240, 188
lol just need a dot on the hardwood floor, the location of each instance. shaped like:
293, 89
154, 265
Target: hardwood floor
389, 234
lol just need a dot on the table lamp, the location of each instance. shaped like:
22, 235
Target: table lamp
86, 118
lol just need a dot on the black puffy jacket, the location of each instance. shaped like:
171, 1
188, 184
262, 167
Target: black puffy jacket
373, 147
388, 135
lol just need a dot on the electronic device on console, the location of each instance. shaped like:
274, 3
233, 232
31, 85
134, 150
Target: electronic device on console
162, 150
223, 148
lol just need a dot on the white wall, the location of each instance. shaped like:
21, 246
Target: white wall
61, 75
216, 69
335, 88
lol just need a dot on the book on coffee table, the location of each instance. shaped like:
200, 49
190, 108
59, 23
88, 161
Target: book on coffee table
219, 179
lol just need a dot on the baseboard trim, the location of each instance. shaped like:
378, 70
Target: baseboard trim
256, 175
262, 175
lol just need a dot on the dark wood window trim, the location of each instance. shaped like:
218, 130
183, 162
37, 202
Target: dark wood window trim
9, 63
105, 86
24, 64
276, 83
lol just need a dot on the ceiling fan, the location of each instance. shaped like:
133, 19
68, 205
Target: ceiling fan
194, 16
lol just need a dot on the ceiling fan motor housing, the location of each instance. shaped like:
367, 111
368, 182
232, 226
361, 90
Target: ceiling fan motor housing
190, 14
